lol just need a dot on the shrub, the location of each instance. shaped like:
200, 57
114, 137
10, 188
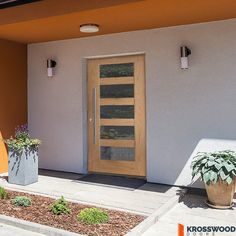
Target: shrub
93, 216
215, 166
22, 201
3, 193
60, 206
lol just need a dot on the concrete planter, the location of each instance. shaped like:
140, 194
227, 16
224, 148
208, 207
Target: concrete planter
23, 167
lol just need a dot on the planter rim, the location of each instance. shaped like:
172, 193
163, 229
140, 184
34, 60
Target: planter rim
218, 206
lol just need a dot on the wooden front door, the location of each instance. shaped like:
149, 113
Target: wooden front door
116, 115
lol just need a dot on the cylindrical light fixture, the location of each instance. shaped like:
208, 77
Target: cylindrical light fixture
89, 28
184, 52
50, 65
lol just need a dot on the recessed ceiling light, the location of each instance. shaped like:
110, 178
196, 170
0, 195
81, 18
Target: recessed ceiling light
89, 28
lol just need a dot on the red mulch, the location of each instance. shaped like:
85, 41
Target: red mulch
119, 223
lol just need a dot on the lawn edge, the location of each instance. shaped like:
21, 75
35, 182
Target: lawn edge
35, 227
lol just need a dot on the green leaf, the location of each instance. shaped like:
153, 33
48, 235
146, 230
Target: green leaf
213, 176
211, 163
195, 171
234, 172
229, 167
223, 176
218, 166
206, 177
229, 180
204, 161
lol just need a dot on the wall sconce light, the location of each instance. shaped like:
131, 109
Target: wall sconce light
185, 52
51, 64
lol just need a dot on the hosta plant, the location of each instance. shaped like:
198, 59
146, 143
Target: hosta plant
215, 166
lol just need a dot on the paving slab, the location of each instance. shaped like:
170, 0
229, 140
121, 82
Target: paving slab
192, 211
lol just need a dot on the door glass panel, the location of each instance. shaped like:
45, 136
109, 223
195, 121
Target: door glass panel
117, 153
117, 70
117, 112
117, 132
117, 91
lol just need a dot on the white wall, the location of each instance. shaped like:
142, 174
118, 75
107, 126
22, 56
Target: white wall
183, 107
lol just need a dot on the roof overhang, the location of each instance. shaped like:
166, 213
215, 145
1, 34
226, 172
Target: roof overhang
49, 20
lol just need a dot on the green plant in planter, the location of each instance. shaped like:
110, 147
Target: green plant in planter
22, 201
22, 157
215, 166
22, 140
3, 193
60, 206
93, 216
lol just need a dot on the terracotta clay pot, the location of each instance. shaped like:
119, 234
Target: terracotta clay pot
220, 195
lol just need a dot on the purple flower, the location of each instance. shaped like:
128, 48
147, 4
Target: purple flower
22, 131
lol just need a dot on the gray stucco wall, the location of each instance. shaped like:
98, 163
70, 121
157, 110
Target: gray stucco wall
183, 107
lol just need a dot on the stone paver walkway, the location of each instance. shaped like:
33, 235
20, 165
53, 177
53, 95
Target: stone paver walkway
6, 230
144, 200
192, 211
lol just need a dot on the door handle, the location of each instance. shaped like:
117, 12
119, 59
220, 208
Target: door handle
94, 114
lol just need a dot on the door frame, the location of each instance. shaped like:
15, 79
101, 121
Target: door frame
114, 57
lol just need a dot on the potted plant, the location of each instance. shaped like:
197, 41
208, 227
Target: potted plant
217, 170
22, 157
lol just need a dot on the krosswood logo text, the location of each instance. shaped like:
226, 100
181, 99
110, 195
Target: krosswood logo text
205, 230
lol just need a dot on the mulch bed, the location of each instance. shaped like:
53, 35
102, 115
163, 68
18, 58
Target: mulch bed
119, 223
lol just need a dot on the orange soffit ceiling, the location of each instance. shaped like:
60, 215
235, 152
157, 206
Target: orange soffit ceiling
49, 20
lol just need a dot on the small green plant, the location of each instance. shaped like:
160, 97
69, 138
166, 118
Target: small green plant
3, 193
93, 216
22, 201
22, 140
215, 166
60, 206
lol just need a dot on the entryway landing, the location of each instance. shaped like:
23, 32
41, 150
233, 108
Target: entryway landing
144, 198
